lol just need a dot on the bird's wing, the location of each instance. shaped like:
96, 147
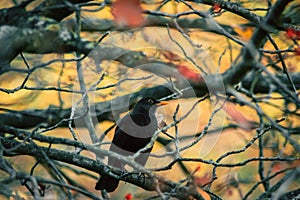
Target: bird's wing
128, 140
131, 137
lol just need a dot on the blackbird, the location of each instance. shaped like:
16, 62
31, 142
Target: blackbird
133, 132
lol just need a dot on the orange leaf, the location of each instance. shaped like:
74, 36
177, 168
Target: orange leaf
217, 8
238, 117
199, 181
293, 34
297, 51
204, 194
198, 168
277, 167
171, 56
245, 32
128, 13
188, 73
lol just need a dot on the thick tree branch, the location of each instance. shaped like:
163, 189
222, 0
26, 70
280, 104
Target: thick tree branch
148, 183
249, 53
59, 40
102, 110
93, 24
56, 9
264, 84
290, 195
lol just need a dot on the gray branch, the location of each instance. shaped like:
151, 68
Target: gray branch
147, 183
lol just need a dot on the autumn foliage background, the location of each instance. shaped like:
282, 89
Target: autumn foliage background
228, 121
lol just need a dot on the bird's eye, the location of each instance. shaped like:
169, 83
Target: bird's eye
150, 101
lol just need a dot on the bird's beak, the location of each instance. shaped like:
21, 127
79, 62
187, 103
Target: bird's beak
162, 103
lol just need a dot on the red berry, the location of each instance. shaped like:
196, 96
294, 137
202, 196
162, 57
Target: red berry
128, 196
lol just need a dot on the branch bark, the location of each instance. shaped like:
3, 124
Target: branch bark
103, 110
290, 195
249, 53
148, 183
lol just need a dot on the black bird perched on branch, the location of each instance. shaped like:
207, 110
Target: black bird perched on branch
133, 132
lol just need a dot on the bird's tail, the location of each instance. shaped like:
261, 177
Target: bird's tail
108, 183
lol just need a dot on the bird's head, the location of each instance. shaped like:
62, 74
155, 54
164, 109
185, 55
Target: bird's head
148, 103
